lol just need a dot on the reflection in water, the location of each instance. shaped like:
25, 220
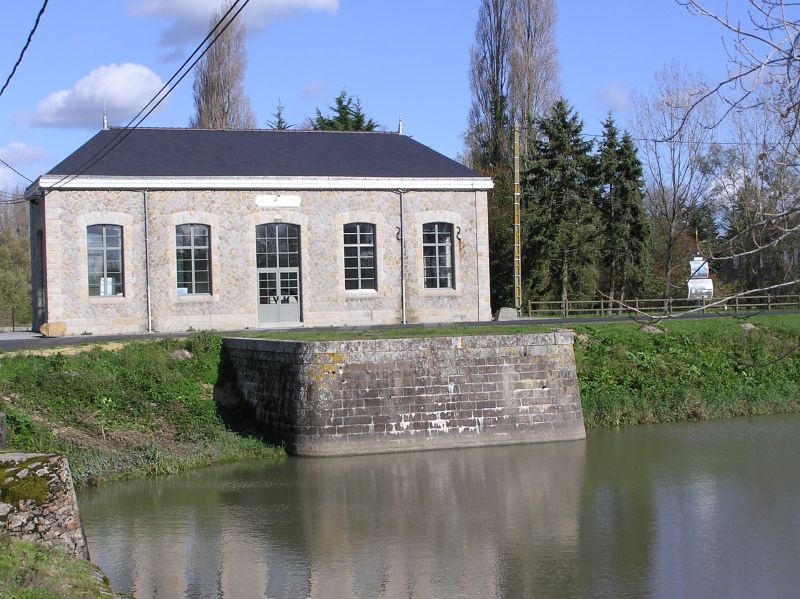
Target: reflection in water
444, 523
704, 509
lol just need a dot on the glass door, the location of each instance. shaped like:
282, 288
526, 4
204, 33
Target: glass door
278, 268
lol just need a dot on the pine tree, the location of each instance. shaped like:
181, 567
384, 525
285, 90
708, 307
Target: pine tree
278, 123
623, 224
347, 116
559, 219
622, 221
607, 202
633, 265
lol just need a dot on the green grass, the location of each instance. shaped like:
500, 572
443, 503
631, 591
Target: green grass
30, 571
121, 413
696, 369
137, 410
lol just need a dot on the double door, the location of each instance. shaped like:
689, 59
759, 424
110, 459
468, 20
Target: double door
278, 271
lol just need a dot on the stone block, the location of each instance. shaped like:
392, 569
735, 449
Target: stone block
53, 329
409, 394
505, 314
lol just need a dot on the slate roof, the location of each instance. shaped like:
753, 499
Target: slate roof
257, 153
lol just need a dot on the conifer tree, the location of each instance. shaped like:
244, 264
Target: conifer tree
347, 116
634, 264
559, 218
278, 122
623, 225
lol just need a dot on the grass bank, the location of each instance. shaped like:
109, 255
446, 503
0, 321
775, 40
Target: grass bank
123, 411
695, 369
146, 408
30, 571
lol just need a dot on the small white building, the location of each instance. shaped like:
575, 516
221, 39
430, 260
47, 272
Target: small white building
172, 229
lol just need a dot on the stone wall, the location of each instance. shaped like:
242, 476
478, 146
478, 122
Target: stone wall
355, 397
38, 502
64, 215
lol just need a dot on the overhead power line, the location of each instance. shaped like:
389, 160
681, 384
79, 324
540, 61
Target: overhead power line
24, 48
161, 95
15, 170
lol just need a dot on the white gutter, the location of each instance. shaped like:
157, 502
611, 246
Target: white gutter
402, 260
52, 182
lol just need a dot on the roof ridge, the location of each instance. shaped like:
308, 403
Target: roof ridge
254, 130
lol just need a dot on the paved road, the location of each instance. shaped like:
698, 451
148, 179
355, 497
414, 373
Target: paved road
27, 340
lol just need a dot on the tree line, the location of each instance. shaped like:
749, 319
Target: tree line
623, 216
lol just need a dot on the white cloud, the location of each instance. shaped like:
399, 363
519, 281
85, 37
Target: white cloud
123, 88
615, 96
314, 92
189, 19
18, 155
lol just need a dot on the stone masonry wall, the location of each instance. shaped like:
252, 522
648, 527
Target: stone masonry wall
55, 521
356, 397
233, 217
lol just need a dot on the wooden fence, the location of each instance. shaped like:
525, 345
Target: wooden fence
603, 307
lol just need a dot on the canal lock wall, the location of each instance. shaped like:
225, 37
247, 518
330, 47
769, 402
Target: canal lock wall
38, 502
376, 396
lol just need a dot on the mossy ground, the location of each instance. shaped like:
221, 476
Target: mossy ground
127, 411
31, 487
30, 571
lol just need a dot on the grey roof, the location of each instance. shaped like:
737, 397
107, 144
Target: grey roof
257, 153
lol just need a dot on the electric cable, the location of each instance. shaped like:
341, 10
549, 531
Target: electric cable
25, 47
158, 98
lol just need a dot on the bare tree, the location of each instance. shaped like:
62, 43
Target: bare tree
763, 47
673, 140
219, 98
487, 131
761, 94
534, 82
14, 212
756, 193
514, 74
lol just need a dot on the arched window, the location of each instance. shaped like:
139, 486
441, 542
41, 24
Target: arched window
193, 253
104, 247
359, 256
438, 256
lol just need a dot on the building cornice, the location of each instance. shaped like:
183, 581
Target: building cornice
55, 182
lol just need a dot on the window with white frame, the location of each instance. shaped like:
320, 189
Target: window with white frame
359, 256
437, 255
104, 247
193, 253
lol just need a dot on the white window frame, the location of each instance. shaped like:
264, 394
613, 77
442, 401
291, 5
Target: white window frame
361, 251
193, 249
442, 248
112, 284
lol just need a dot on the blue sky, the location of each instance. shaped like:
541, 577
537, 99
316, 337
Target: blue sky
406, 59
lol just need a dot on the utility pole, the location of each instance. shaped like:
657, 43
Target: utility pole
517, 241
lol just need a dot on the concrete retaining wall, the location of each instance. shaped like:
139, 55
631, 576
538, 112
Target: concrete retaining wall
356, 397
55, 521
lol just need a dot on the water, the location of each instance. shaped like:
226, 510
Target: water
707, 509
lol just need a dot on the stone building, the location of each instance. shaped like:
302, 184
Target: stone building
172, 229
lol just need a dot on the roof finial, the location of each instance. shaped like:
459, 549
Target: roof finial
400, 127
105, 117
